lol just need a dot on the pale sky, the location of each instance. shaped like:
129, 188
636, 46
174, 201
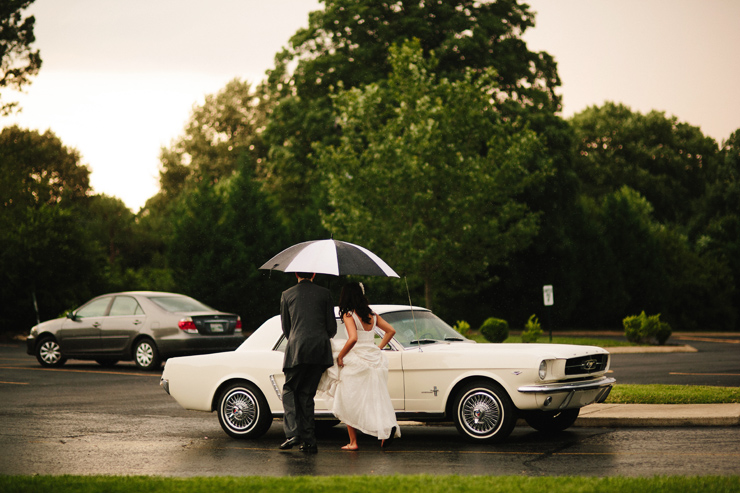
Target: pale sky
120, 77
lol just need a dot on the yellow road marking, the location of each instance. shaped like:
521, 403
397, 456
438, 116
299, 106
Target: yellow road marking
14, 383
82, 371
707, 339
707, 374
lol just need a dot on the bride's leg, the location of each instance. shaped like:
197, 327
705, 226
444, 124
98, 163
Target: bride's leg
352, 445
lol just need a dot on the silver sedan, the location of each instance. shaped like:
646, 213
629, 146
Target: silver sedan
144, 326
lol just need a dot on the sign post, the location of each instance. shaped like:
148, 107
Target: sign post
549, 300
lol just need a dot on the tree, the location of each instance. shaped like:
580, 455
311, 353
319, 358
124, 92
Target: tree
716, 228
18, 62
664, 160
428, 174
221, 235
46, 252
348, 43
218, 132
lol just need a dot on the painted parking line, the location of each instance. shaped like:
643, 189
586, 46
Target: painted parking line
83, 371
706, 374
707, 339
13, 383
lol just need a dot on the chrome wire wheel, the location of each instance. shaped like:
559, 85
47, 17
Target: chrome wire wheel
480, 412
240, 410
243, 411
484, 412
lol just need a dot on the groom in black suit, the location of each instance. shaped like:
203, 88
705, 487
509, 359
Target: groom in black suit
308, 319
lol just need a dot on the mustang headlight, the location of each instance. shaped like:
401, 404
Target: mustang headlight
543, 370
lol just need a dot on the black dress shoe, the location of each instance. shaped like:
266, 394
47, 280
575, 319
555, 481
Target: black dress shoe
309, 449
290, 443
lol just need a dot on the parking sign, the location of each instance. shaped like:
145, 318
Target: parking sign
547, 293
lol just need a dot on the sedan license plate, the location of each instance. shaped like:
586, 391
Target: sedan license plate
217, 327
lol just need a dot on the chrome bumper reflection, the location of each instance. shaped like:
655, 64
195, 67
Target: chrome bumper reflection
552, 388
165, 384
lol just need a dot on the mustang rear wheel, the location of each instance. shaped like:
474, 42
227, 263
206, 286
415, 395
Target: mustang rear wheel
243, 411
551, 421
49, 354
484, 412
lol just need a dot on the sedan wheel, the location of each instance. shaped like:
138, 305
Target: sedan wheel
49, 354
552, 421
243, 411
484, 412
146, 355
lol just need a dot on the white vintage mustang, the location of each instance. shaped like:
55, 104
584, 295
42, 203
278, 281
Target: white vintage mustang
435, 374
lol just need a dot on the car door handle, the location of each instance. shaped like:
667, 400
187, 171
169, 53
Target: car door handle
96, 325
138, 322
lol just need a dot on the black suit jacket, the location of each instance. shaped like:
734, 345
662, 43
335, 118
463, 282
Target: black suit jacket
308, 319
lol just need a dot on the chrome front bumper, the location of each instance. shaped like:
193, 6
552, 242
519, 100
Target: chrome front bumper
561, 395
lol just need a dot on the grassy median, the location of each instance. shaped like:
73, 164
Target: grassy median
397, 483
672, 394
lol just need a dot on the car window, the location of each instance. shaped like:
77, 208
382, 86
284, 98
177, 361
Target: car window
180, 304
340, 336
96, 308
421, 327
125, 305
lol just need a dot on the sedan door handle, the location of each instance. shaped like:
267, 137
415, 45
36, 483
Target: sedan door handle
138, 322
96, 325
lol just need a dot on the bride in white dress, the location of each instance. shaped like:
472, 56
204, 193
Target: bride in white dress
356, 388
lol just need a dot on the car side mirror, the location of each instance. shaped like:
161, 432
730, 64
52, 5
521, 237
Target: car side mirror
71, 316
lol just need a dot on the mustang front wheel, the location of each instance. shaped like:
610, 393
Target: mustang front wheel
484, 412
243, 411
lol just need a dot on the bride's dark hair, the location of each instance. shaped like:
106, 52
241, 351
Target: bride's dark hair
352, 299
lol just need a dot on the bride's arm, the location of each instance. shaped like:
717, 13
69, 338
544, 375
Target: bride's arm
351, 338
388, 331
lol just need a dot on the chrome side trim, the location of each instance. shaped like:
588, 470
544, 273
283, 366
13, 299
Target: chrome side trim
275, 387
567, 387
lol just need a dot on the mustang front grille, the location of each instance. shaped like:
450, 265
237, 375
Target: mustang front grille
586, 364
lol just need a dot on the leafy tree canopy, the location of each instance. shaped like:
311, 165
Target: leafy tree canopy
18, 62
226, 125
664, 160
347, 43
427, 173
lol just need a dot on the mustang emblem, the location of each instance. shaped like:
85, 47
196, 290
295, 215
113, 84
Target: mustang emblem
589, 364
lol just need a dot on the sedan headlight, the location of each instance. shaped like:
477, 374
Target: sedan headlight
543, 369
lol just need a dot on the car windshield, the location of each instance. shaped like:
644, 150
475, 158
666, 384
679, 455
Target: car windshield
180, 304
421, 327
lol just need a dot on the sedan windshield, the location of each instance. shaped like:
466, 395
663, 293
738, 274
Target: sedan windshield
180, 304
421, 327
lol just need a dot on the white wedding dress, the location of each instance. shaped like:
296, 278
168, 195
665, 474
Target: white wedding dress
357, 394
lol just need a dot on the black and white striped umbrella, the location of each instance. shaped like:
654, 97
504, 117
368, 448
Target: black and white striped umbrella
337, 258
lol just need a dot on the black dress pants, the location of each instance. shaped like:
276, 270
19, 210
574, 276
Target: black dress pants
299, 391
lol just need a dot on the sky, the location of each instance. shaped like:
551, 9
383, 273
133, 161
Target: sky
120, 77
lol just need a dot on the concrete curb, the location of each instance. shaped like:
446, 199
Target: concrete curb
659, 415
651, 349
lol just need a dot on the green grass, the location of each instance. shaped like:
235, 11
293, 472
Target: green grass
398, 483
672, 394
545, 339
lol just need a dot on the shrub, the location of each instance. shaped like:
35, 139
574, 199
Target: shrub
495, 329
646, 329
532, 330
462, 328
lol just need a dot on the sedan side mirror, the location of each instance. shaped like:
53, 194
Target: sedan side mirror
71, 316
